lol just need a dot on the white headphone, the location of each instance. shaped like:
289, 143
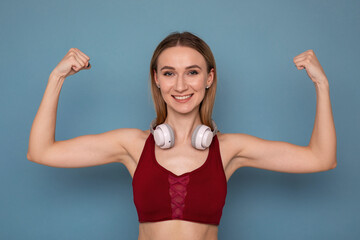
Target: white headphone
201, 137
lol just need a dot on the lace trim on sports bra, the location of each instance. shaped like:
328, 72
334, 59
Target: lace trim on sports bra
178, 191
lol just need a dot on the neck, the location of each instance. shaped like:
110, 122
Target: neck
183, 125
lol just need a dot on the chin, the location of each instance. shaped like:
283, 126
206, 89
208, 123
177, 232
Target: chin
184, 110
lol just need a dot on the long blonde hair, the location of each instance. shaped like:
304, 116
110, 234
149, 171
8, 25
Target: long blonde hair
185, 39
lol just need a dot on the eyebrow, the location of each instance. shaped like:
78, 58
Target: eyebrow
172, 68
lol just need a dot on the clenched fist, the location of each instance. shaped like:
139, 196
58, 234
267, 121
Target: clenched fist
73, 62
309, 61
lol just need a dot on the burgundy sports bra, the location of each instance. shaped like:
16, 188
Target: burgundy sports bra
197, 196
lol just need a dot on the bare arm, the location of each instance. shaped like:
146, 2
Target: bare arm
82, 151
319, 155
42, 134
323, 138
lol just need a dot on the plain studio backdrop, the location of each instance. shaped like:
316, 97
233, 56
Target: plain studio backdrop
260, 92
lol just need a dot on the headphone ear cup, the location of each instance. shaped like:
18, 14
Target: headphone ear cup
201, 137
193, 136
164, 136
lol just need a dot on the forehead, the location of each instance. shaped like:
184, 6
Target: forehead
180, 56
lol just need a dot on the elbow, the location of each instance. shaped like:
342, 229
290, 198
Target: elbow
328, 165
334, 165
28, 156
31, 158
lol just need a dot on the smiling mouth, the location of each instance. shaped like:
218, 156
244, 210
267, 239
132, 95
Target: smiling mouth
182, 97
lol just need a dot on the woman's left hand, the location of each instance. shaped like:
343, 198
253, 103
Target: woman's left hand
309, 61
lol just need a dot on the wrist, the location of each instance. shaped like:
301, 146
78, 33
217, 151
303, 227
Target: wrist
322, 86
54, 84
55, 77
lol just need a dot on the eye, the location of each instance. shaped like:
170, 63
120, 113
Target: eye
193, 72
168, 73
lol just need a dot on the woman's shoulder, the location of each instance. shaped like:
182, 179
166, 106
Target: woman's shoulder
225, 140
132, 140
224, 137
128, 135
232, 142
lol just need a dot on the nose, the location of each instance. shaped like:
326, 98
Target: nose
180, 84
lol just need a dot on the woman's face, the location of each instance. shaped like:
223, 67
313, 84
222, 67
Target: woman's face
183, 77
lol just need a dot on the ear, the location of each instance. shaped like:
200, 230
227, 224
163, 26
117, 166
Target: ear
210, 78
155, 77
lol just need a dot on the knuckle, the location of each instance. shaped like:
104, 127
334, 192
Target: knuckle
73, 50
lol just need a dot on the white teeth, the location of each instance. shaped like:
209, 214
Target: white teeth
184, 97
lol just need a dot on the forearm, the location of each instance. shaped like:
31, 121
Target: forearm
323, 138
42, 134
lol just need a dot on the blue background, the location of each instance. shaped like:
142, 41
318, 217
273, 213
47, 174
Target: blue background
260, 92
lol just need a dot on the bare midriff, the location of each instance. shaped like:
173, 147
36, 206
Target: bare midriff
177, 230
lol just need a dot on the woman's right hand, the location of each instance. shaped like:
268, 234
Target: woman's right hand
73, 62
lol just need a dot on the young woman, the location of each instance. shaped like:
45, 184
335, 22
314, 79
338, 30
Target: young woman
181, 165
